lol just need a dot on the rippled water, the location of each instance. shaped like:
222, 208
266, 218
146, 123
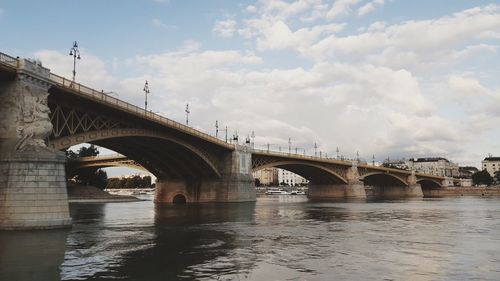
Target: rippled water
276, 238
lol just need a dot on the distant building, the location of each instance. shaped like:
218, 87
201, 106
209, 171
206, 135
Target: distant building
291, 179
267, 176
401, 164
491, 164
467, 172
437, 166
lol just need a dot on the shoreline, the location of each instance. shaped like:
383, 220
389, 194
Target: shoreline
104, 200
463, 191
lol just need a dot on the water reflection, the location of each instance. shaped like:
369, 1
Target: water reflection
274, 239
28, 255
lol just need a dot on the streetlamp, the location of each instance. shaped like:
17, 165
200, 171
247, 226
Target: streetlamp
337, 153
289, 145
216, 128
253, 138
187, 114
315, 150
76, 55
146, 93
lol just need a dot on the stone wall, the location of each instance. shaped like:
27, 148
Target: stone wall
33, 191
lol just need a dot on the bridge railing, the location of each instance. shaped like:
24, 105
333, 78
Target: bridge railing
302, 156
6, 59
109, 100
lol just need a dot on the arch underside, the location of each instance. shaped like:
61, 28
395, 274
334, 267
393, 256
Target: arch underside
427, 184
113, 165
161, 155
313, 173
383, 179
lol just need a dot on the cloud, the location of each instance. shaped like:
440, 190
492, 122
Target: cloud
225, 28
159, 23
370, 7
341, 8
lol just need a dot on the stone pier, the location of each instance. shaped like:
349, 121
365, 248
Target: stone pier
353, 189
412, 190
32, 177
235, 185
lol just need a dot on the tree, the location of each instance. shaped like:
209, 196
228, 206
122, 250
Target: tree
88, 176
482, 177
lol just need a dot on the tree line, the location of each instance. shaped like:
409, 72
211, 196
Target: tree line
130, 182
484, 178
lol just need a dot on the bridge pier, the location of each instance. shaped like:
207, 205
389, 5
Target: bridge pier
32, 177
235, 185
398, 192
353, 189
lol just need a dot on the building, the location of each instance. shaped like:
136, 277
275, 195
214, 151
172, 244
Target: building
267, 176
437, 166
491, 164
467, 172
290, 179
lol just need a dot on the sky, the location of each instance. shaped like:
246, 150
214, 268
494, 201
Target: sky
389, 78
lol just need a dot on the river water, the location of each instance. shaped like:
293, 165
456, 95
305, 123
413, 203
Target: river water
276, 238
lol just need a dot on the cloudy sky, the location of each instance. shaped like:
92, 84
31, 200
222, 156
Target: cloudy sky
390, 78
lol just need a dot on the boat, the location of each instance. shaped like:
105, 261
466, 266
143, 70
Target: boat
276, 192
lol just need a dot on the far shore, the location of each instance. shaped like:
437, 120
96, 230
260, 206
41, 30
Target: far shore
92, 194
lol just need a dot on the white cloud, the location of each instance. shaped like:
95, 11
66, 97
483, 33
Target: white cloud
370, 7
341, 8
225, 28
159, 23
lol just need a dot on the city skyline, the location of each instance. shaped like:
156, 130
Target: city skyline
389, 78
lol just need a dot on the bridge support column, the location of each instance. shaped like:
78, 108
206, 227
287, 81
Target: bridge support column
32, 177
412, 190
236, 184
353, 189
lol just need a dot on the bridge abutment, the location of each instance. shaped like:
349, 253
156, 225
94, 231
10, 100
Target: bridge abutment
235, 185
32, 177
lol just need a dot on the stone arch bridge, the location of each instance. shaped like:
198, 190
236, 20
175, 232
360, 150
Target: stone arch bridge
42, 113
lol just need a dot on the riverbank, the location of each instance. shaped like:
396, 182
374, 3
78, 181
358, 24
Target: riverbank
463, 191
92, 194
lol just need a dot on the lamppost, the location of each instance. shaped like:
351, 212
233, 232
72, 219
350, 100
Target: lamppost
373, 159
289, 145
315, 150
76, 55
337, 153
253, 138
216, 128
146, 93
303, 150
187, 114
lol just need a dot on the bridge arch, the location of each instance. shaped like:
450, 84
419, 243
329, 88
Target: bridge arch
313, 172
149, 149
383, 179
427, 184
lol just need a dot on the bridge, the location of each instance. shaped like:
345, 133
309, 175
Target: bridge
42, 113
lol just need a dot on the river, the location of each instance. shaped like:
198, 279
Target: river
276, 238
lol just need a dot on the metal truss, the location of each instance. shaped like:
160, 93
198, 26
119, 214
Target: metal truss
67, 121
